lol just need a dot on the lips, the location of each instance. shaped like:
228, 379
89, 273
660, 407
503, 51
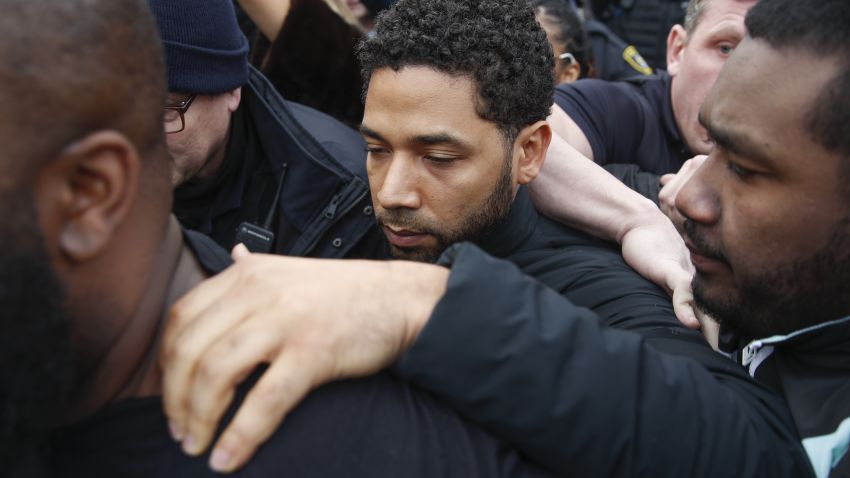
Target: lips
703, 262
404, 237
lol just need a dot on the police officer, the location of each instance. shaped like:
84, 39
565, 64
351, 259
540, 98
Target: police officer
651, 123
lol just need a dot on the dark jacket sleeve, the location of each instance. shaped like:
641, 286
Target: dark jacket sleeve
646, 184
584, 399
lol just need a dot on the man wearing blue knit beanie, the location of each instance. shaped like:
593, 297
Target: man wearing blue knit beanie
249, 166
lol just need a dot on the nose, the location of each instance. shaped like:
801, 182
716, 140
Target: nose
397, 183
698, 199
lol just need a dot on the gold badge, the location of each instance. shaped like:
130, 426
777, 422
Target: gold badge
633, 58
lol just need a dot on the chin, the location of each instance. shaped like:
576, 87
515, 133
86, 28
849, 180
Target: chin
416, 255
718, 302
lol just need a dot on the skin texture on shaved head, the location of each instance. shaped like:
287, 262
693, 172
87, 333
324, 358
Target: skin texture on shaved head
73, 67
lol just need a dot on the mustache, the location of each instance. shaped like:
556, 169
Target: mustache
700, 243
405, 219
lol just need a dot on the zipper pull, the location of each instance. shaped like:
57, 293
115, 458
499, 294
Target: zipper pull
330, 212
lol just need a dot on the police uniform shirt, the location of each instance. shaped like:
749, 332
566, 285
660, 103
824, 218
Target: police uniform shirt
627, 122
613, 58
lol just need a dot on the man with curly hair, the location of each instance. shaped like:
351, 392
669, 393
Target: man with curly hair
455, 120
92, 258
768, 226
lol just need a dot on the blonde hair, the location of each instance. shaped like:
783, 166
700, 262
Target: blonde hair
693, 14
341, 9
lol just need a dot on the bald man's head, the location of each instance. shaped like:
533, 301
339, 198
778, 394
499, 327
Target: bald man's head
83, 172
71, 67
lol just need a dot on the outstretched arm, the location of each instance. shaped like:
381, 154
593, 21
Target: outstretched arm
501, 348
576, 191
267, 14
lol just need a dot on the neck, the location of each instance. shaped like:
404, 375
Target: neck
129, 366
508, 234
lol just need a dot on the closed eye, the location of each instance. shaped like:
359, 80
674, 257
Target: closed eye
377, 151
739, 171
445, 160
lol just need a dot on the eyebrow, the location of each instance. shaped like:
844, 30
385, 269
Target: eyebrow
734, 142
366, 131
432, 139
725, 30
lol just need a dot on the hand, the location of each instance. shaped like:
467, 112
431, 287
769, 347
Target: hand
710, 329
656, 251
671, 184
312, 320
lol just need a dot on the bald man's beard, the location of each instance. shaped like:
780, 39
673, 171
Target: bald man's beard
476, 224
35, 345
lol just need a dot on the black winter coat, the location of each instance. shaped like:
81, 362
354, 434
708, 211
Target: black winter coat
324, 208
623, 390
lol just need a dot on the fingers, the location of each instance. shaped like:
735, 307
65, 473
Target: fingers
186, 340
239, 252
683, 306
279, 390
710, 329
219, 371
672, 183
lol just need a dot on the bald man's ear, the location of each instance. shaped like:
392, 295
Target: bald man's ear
532, 141
676, 42
84, 196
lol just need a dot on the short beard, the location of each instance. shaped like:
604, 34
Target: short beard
35, 344
475, 226
790, 297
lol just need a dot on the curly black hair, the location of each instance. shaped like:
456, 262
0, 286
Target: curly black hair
496, 42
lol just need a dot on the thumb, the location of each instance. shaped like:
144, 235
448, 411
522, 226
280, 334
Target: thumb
240, 252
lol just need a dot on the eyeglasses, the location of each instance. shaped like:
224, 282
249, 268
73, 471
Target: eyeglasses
567, 56
174, 117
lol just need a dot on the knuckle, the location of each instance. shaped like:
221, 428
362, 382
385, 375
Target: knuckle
201, 421
211, 372
271, 394
241, 437
173, 354
178, 318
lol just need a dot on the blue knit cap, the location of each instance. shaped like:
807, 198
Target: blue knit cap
205, 51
